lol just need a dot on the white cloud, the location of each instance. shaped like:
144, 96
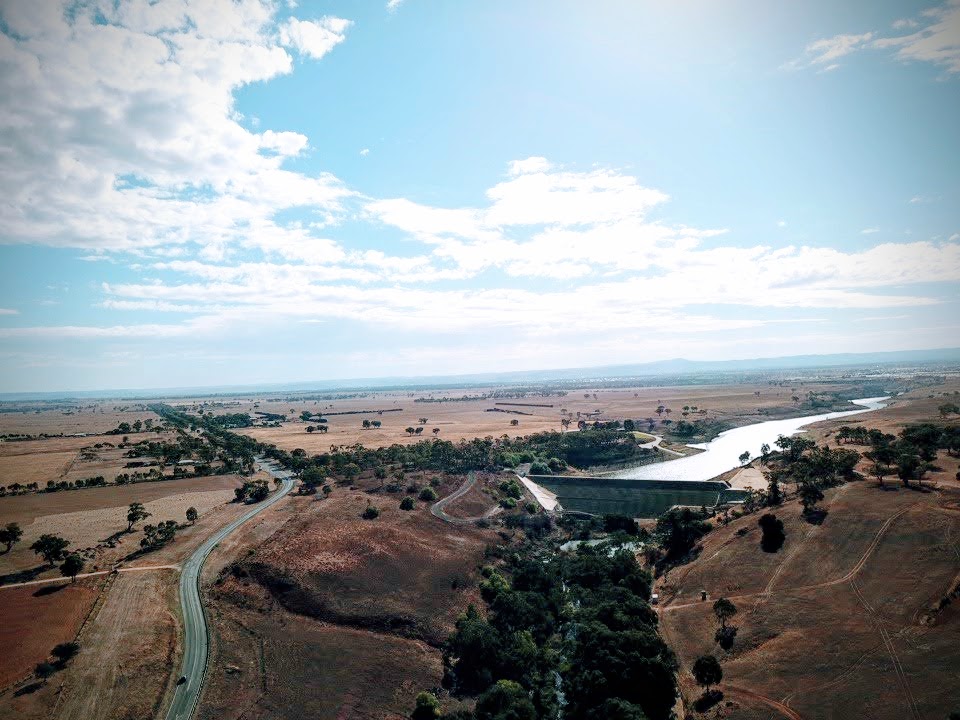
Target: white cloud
314, 38
364, 152
870, 231
530, 165
123, 134
937, 41
904, 24
393, 5
9, 311
781, 223
827, 51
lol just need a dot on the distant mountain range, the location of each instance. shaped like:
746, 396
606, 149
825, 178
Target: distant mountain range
672, 368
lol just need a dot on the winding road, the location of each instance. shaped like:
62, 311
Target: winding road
437, 509
195, 631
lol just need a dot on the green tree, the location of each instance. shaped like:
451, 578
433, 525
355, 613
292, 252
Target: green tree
724, 610
427, 707
764, 454
810, 495
50, 547
773, 533
72, 566
44, 670
64, 652
744, 457
10, 535
428, 494
678, 530
407, 503
135, 514
707, 671
191, 515
156, 536
505, 700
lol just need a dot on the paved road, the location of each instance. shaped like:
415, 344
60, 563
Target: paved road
195, 631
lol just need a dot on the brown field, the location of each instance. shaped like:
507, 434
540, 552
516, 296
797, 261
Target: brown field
91, 418
128, 652
32, 621
333, 616
87, 517
842, 621
58, 458
468, 419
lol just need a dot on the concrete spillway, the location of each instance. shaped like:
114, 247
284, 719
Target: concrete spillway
636, 498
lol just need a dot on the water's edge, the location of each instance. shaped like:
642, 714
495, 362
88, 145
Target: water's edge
722, 453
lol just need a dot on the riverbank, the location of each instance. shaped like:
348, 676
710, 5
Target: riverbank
724, 452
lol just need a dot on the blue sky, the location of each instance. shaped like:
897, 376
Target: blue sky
218, 192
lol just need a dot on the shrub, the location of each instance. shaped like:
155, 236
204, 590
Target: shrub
539, 467
428, 494
509, 503
372, 512
407, 503
773, 534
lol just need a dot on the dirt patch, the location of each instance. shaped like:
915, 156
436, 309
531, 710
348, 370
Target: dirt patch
33, 619
128, 651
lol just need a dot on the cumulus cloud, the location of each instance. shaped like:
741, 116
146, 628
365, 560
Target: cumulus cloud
124, 133
314, 38
124, 141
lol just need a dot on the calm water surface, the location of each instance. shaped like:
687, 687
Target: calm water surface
723, 452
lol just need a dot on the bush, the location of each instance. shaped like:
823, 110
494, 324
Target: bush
372, 512
539, 467
773, 533
509, 503
407, 503
427, 708
428, 494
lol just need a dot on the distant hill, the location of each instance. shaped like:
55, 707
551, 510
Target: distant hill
675, 368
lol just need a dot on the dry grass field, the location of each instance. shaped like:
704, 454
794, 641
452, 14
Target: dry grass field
66, 458
736, 404
70, 418
87, 517
128, 653
332, 616
842, 622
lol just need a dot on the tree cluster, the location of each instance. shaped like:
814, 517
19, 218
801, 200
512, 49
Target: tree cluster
581, 622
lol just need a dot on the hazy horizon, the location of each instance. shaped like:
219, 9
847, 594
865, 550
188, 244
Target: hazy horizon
242, 193
667, 368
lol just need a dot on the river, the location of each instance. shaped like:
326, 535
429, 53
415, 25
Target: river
723, 452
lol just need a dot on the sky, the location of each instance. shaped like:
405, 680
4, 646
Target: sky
212, 192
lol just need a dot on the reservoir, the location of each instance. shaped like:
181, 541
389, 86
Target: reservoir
723, 452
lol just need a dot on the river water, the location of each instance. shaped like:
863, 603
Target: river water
723, 452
